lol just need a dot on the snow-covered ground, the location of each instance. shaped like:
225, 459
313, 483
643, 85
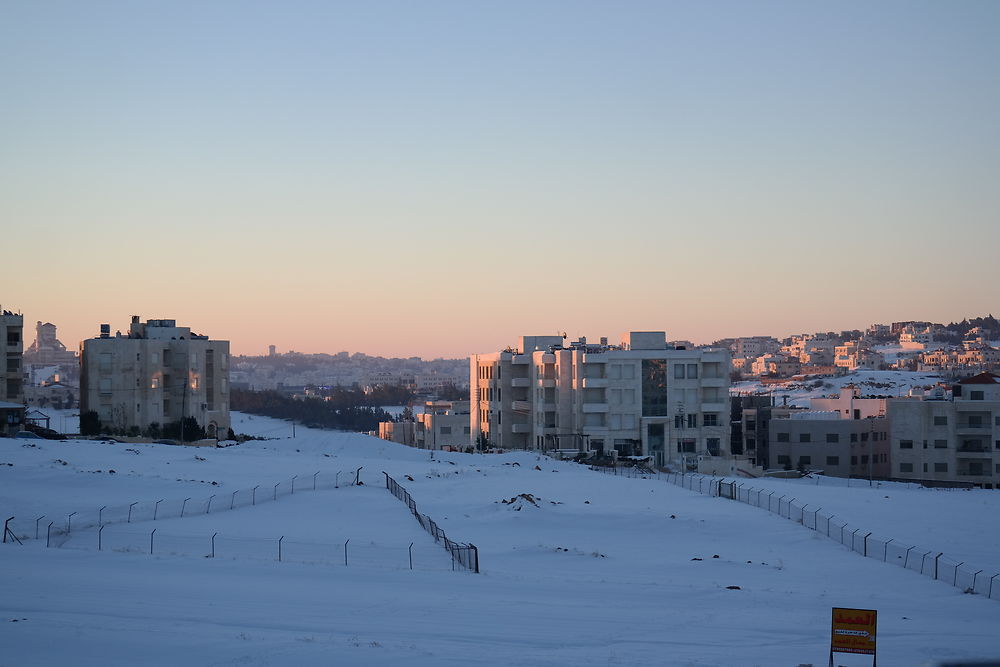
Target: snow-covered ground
592, 570
872, 383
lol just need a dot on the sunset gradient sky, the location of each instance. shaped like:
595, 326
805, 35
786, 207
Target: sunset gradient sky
438, 178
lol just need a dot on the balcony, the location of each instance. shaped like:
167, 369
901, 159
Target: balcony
972, 429
548, 358
595, 407
595, 383
984, 472
543, 382
520, 382
714, 406
974, 447
715, 381
520, 428
520, 406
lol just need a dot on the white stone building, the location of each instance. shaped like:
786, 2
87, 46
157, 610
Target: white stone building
941, 438
156, 373
639, 398
11, 372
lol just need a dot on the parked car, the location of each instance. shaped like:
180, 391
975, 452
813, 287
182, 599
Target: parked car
27, 435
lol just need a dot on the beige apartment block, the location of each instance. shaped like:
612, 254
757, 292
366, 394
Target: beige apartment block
11, 372
839, 444
158, 373
638, 398
942, 438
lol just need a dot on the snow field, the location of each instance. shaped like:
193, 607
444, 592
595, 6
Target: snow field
592, 570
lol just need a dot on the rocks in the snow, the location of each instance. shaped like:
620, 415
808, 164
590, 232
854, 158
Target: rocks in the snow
715, 556
520, 500
408, 477
537, 468
733, 588
673, 516
695, 558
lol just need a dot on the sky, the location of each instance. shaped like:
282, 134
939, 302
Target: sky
438, 178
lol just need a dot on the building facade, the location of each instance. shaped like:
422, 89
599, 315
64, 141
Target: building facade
638, 398
942, 438
11, 372
159, 373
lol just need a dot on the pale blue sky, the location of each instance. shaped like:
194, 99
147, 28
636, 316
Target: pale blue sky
473, 171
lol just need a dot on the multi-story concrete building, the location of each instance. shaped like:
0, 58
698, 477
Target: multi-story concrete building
47, 348
639, 398
159, 373
11, 372
755, 346
942, 438
444, 425
841, 445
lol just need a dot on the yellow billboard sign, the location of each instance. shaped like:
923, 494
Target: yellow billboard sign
853, 631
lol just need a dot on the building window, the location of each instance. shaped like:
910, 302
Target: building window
833, 437
905, 467
976, 395
940, 444
654, 388
854, 437
854, 460
692, 420
692, 371
784, 460
154, 383
710, 420
805, 460
678, 371
906, 444
782, 437
445, 430
940, 467
712, 444
940, 420
805, 437
833, 460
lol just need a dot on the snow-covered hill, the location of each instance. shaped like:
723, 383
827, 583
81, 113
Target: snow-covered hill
583, 569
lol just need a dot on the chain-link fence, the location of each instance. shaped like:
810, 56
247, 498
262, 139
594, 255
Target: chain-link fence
928, 562
55, 529
364, 553
465, 555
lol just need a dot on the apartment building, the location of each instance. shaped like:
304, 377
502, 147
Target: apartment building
755, 346
942, 438
840, 444
157, 373
11, 372
638, 398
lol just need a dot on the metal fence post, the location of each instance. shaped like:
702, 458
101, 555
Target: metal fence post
208, 509
954, 581
990, 594
280, 539
213, 544
253, 495
936, 559
314, 479
357, 476
183, 505
293, 484
336, 480
156, 508
411, 555
906, 559
866, 544
973, 589
36, 525
885, 556
100, 538
151, 541
48, 534
232, 499
69, 522
130, 511
345, 551
276, 491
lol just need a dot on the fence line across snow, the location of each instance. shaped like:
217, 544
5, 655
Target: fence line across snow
928, 562
55, 529
466, 555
